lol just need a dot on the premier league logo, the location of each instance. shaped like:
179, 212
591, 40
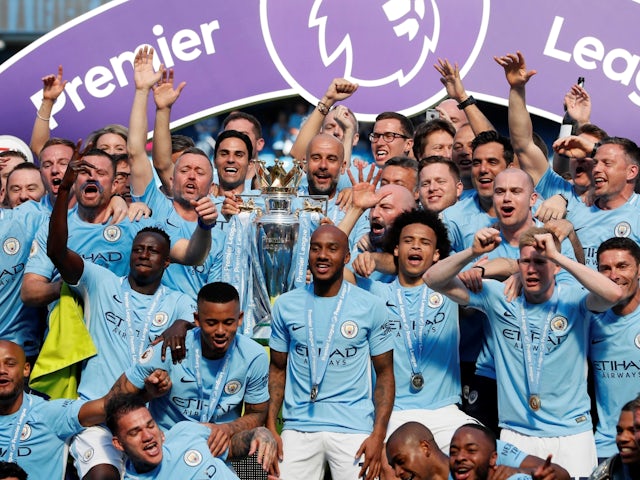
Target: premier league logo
388, 47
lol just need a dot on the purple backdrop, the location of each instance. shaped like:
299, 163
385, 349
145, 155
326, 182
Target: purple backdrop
236, 53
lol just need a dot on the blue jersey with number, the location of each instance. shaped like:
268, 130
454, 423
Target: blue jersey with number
345, 395
246, 381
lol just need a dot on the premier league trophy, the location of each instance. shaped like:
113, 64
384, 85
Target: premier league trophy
268, 243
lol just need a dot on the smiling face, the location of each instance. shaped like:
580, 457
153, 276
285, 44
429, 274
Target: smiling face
383, 150
112, 143
471, 455
462, 150
219, 324
232, 163
416, 252
622, 268
439, 142
139, 436
13, 370
613, 174
488, 160
328, 254
23, 185
438, 188
325, 157
625, 440
409, 459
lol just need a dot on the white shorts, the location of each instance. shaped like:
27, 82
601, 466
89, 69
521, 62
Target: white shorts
442, 422
93, 447
575, 453
305, 454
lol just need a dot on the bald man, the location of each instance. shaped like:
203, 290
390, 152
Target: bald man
332, 412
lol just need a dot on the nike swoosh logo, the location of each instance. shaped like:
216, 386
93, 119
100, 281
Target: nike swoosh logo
596, 341
507, 314
389, 304
186, 380
115, 297
297, 327
169, 223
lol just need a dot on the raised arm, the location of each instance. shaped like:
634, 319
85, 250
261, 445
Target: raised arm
530, 157
195, 250
164, 96
339, 89
603, 293
443, 275
53, 86
455, 89
145, 78
69, 263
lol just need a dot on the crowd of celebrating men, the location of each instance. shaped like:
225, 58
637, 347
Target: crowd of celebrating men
461, 288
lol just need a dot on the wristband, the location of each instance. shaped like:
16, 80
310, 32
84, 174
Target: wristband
595, 148
481, 269
204, 226
322, 108
564, 198
469, 101
44, 119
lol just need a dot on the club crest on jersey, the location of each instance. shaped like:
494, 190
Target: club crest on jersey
146, 356
87, 455
192, 458
11, 246
637, 340
349, 329
232, 387
26, 432
112, 233
435, 300
623, 229
559, 324
160, 319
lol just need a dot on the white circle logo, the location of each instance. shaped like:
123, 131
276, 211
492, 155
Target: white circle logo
435, 300
559, 324
160, 319
146, 356
11, 246
193, 458
112, 233
349, 329
26, 432
623, 229
232, 387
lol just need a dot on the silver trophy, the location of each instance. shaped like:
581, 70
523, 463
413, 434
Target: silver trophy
281, 225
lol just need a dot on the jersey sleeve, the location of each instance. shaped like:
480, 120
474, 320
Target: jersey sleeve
62, 416
149, 361
509, 454
257, 390
279, 340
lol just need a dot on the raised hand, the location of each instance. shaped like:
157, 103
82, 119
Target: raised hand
515, 69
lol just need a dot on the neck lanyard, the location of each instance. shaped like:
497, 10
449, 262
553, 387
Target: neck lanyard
206, 414
135, 354
318, 366
15, 440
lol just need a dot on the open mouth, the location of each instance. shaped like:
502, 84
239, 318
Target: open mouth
377, 228
415, 259
462, 473
152, 449
507, 210
322, 268
231, 170
56, 181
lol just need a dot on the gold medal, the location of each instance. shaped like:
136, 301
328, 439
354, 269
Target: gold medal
535, 403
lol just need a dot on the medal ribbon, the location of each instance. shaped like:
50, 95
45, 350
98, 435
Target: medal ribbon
207, 414
318, 371
15, 440
534, 367
411, 346
135, 355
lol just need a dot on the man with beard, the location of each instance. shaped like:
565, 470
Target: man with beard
33, 432
123, 313
331, 410
192, 179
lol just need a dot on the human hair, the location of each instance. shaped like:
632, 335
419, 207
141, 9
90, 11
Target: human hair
629, 147
10, 469
96, 152
120, 405
488, 433
427, 128
405, 124
23, 166
354, 120
13, 153
237, 115
120, 157
181, 142
620, 243
218, 292
491, 136
58, 141
114, 128
423, 217
434, 159
527, 238
401, 161
593, 130
158, 231
233, 134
